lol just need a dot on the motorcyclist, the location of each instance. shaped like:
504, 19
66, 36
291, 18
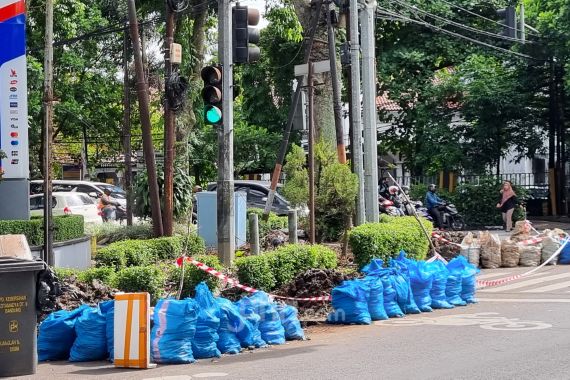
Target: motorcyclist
394, 196
433, 204
383, 188
109, 206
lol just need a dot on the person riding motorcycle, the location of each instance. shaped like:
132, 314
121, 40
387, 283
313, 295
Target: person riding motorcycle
108, 206
433, 204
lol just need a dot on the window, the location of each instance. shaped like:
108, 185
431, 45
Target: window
37, 203
255, 195
74, 201
86, 200
86, 189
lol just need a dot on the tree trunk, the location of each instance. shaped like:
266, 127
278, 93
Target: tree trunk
323, 103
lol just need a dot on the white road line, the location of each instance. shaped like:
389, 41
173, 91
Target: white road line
549, 288
491, 275
526, 300
522, 284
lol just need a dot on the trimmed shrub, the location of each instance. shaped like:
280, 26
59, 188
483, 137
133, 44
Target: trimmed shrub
112, 233
384, 240
149, 279
273, 269
193, 276
105, 274
65, 273
66, 227
143, 252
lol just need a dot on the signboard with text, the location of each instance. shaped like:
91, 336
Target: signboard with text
13, 90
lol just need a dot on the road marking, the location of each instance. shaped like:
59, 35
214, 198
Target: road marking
491, 275
523, 284
549, 288
176, 377
526, 300
210, 374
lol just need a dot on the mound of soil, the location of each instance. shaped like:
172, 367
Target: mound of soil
447, 250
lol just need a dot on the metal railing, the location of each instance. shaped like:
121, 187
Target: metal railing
527, 180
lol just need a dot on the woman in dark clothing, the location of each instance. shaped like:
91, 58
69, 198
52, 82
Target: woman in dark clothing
507, 204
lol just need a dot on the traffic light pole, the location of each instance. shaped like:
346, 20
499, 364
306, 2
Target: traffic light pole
225, 188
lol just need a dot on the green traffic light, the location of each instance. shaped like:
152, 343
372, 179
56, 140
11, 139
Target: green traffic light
213, 115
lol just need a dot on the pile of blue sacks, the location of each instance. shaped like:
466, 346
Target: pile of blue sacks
182, 330
406, 286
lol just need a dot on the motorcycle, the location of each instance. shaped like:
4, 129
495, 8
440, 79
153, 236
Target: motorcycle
388, 207
451, 217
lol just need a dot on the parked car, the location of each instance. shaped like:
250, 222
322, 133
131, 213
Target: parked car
93, 189
67, 203
257, 193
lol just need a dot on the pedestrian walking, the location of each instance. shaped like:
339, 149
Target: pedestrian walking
507, 204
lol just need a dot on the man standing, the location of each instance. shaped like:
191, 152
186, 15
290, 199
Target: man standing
433, 203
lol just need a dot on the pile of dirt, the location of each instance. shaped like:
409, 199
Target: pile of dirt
447, 250
75, 293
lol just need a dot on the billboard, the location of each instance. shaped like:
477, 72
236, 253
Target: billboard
13, 90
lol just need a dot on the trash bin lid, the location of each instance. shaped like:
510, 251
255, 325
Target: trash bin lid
11, 264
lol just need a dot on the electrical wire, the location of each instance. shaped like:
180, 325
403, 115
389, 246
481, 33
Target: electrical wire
457, 24
401, 17
290, 62
483, 17
176, 88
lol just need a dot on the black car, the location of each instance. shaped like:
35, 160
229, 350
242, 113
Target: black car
257, 193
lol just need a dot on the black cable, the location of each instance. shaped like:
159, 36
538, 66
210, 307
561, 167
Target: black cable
401, 17
177, 6
176, 88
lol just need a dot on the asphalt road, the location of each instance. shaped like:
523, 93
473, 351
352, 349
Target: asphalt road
520, 330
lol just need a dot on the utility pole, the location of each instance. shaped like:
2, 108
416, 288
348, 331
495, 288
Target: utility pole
287, 132
552, 178
169, 119
369, 101
356, 111
225, 188
310, 89
127, 128
522, 27
48, 134
148, 149
337, 108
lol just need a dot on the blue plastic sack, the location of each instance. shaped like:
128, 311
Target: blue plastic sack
438, 286
249, 335
173, 331
272, 331
391, 307
460, 266
230, 323
421, 279
108, 308
455, 281
57, 334
401, 283
91, 341
564, 257
205, 341
376, 266
376, 298
290, 322
350, 303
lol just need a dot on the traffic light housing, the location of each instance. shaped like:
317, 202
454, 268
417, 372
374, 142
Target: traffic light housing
244, 35
509, 20
212, 94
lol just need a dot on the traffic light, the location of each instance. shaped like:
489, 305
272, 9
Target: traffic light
509, 21
243, 34
212, 94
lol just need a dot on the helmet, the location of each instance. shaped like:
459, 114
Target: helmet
431, 187
393, 190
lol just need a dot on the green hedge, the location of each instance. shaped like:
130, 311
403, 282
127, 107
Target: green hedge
385, 239
193, 276
274, 269
149, 279
129, 253
66, 227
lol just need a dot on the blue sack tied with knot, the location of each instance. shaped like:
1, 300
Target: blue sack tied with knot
57, 334
173, 330
205, 341
230, 322
91, 341
455, 281
439, 284
272, 331
290, 322
350, 303
376, 298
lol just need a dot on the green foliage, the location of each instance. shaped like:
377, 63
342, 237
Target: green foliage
274, 269
104, 274
193, 276
296, 189
273, 223
143, 252
111, 232
66, 227
149, 279
337, 189
182, 193
384, 240
66, 273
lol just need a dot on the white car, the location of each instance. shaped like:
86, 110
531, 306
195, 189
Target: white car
68, 203
93, 189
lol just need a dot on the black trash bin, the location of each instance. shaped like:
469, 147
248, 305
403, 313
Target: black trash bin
18, 336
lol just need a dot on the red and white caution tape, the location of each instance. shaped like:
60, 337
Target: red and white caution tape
236, 283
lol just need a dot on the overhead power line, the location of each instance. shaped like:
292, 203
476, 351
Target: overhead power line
399, 17
456, 24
